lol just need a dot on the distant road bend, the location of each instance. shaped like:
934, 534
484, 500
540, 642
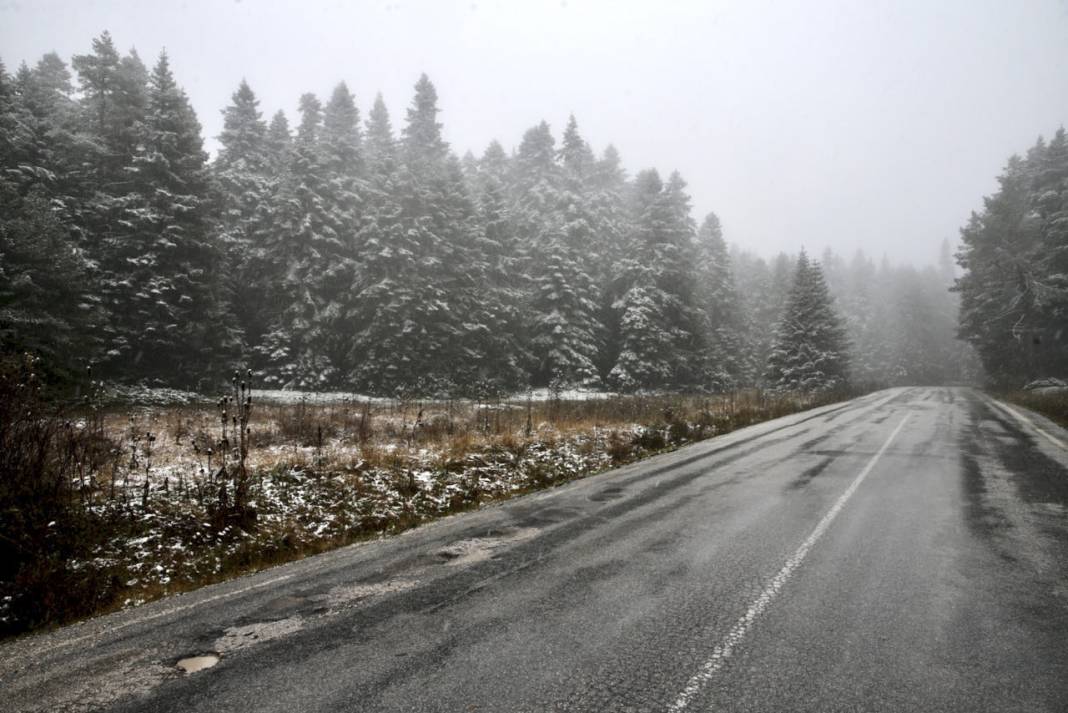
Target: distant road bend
905, 551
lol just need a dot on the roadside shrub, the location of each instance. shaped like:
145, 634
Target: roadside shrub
48, 469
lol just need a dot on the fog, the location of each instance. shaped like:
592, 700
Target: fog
824, 124
278, 277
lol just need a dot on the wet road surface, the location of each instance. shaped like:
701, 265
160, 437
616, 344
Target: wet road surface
906, 551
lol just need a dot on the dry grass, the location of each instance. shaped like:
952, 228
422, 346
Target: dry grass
166, 510
1053, 405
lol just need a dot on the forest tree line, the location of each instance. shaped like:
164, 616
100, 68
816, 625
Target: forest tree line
1014, 291
343, 252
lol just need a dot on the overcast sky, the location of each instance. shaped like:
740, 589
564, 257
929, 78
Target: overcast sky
819, 123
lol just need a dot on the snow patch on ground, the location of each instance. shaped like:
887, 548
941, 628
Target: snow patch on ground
347, 594
241, 637
478, 549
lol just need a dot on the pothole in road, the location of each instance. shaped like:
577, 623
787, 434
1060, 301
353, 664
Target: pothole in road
610, 493
478, 549
236, 638
192, 664
346, 594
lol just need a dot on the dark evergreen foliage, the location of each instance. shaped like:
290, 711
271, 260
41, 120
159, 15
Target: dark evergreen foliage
1014, 290
343, 256
810, 351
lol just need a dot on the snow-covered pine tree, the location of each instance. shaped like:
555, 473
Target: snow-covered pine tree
726, 362
45, 305
106, 129
114, 99
565, 332
346, 193
1000, 251
1050, 282
245, 181
809, 354
428, 322
1014, 255
612, 228
313, 239
278, 145
161, 267
385, 255
534, 187
500, 248
658, 325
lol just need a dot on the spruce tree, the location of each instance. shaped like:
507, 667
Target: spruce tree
726, 362
658, 323
1001, 246
809, 354
45, 302
244, 179
429, 318
312, 240
161, 265
502, 256
278, 145
564, 327
1050, 266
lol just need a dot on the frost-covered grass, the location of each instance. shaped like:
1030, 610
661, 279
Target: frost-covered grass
158, 505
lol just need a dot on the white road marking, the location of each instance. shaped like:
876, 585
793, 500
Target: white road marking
165, 612
734, 637
1024, 419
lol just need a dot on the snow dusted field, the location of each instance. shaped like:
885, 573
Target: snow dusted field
151, 396
162, 506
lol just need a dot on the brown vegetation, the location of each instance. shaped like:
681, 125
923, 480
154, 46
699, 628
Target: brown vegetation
109, 507
1052, 404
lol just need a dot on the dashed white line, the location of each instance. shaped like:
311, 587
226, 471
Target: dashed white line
723, 651
1024, 419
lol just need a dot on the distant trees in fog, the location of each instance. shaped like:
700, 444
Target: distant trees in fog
346, 253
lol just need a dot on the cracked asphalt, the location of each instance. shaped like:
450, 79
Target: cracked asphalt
905, 551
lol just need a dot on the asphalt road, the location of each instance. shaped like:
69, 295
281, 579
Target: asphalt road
906, 551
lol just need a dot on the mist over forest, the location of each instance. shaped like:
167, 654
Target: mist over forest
343, 248
744, 268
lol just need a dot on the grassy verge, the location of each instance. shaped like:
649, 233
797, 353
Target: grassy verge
1052, 405
104, 508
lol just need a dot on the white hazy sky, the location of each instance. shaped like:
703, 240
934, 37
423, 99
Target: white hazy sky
820, 123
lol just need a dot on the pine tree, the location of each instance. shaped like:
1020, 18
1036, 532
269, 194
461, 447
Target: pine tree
381, 144
1000, 250
810, 343
564, 327
502, 256
346, 192
658, 327
161, 267
384, 255
98, 74
726, 362
1050, 268
313, 241
1014, 296
45, 307
244, 178
278, 145
429, 321
611, 229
